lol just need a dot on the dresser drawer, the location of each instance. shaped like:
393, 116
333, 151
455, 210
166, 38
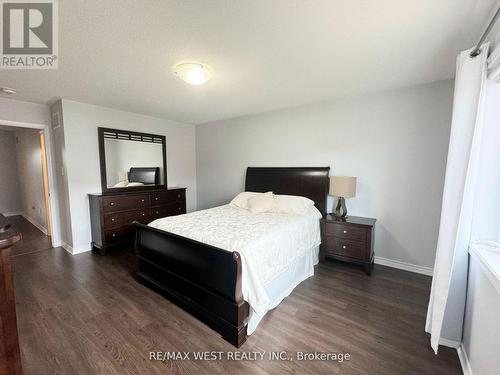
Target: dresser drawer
168, 210
121, 234
347, 248
118, 219
161, 198
348, 232
125, 202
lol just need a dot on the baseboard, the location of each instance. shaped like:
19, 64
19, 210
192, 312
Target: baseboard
81, 249
75, 250
67, 247
403, 266
464, 360
12, 213
36, 224
450, 343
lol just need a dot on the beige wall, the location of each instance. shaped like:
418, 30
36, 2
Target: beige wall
395, 142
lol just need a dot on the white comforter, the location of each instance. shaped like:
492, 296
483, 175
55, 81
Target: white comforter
268, 243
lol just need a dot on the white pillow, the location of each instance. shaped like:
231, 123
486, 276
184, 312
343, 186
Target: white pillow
292, 204
121, 184
241, 200
262, 203
135, 184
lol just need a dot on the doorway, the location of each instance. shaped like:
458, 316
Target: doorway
24, 188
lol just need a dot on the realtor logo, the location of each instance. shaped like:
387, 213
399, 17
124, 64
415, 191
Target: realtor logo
29, 34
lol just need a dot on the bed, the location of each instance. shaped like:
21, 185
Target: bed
227, 266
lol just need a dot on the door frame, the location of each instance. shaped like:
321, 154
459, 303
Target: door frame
45, 181
46, 132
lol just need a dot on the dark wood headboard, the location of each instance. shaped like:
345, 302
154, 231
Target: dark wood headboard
146, 175
309, 182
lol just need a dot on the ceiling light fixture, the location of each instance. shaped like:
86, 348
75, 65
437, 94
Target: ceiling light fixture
8, 91
193, 73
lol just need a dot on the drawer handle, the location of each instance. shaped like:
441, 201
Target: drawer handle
157, 212
345, 231
112, 219
142, 200
344, 247
179, 196
114, 235
112, 204
143, 214
179, 208
156, 198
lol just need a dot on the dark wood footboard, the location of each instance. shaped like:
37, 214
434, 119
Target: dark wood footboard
202, 279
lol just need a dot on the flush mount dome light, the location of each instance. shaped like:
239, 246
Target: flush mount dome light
8, 90
193, 73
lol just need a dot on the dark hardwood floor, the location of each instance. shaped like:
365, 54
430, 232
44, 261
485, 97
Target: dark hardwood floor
33, 239
85, 314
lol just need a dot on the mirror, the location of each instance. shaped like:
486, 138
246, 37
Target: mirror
131, 160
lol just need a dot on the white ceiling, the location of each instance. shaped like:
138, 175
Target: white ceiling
266, 54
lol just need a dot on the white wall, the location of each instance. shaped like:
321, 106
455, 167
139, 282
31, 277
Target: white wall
10, 197
395, 143
82, 157
24, 112
29, 163
481, 334
60, 178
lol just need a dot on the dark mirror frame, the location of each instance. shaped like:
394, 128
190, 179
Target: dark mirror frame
134, 136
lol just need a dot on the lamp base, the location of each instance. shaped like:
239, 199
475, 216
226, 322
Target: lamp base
340, 210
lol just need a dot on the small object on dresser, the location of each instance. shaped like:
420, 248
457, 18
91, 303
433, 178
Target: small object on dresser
348, 239
342, 187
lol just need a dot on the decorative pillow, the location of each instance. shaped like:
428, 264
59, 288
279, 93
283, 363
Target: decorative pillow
241, 200
292, 204
135, 184
262, 203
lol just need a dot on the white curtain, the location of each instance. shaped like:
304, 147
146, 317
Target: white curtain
449, 283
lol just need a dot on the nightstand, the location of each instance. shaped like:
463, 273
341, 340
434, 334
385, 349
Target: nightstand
348, 239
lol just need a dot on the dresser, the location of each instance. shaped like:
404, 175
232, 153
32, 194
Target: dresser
10, 355
111, 215
348, 239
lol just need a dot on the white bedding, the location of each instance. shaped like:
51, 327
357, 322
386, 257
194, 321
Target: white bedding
269, 243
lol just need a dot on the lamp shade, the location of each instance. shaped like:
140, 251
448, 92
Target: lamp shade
343, 186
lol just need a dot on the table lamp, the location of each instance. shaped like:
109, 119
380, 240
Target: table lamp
342, 187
